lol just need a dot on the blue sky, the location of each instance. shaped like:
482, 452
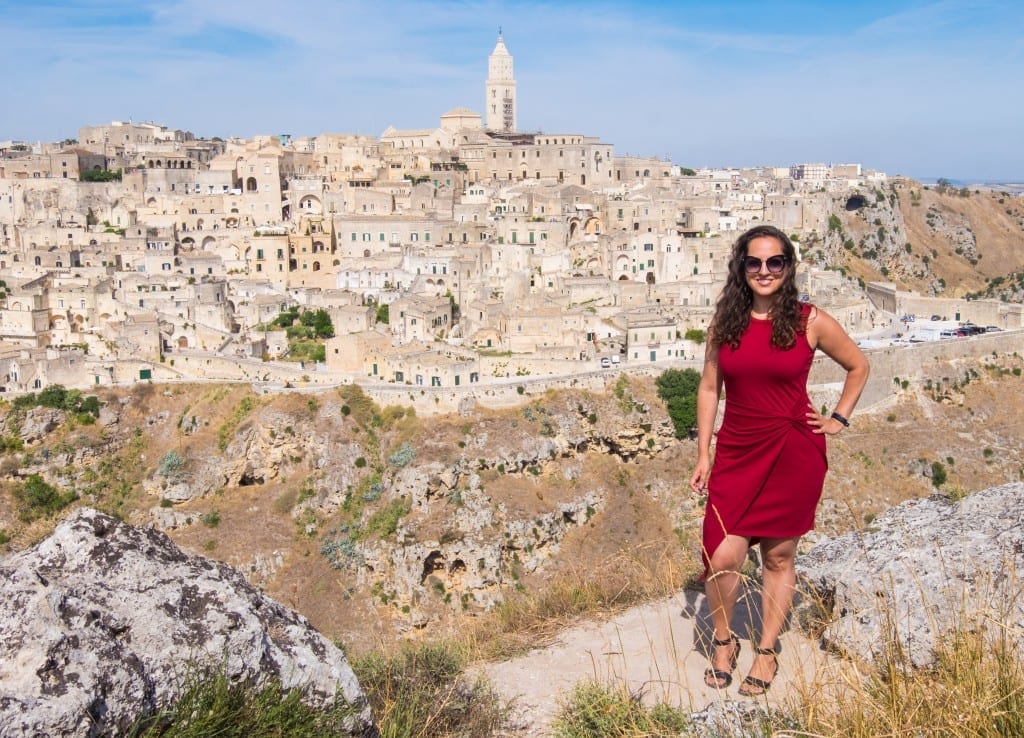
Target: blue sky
923, 88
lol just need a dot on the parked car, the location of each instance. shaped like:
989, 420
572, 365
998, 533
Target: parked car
948, 333
606, 363
992, 328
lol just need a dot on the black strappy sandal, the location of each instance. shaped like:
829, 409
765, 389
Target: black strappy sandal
723, 679
760, 684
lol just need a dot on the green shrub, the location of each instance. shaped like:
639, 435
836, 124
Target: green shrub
402, 456
210, 519
422, 692
384, 522
217, 705
595, 710
11, 443
61, 398
678, 389
696, 335
39, 499
170, 465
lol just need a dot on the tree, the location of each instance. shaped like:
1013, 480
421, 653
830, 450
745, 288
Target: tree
678, 389
694, 334
383, 314
322, 324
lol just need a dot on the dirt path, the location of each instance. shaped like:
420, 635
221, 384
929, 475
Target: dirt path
656, 650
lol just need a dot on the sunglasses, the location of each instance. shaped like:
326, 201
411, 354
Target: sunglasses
775, 264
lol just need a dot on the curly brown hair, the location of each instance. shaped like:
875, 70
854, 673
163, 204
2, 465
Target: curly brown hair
732, 311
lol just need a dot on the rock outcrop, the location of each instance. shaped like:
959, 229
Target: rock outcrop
921, 570
102, 623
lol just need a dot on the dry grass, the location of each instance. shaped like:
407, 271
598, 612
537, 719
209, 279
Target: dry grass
973, 687
527, 620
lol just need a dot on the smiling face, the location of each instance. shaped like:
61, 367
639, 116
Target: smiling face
764, 283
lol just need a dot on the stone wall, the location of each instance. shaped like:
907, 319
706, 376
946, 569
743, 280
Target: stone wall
907, 362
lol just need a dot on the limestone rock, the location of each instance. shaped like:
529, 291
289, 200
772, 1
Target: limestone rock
912, 572
38, 422
100, 623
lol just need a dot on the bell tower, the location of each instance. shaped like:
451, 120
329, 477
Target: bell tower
501, 90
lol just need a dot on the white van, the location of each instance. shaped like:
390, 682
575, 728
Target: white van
606, 363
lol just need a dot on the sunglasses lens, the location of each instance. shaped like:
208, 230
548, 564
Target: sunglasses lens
775, 264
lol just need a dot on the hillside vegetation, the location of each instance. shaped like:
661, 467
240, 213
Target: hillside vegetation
937, 241
375, 523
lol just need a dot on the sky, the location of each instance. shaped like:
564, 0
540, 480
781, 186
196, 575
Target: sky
927, 89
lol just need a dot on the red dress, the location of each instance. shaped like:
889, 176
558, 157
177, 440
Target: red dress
769, 467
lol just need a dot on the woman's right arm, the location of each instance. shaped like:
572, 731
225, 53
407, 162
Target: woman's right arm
708, 393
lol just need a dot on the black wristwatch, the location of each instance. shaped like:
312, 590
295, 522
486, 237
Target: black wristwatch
841, 419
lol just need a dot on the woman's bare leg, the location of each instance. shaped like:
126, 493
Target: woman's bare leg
778, 557
722, 590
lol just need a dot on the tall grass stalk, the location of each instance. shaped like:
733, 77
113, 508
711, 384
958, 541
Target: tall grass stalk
422, 692
216, 706
525, 620
595, 710
974, 686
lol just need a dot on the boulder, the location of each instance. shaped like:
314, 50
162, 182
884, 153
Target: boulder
919, 571
102, 623
38, 422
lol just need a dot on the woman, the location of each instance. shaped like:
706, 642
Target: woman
770, 462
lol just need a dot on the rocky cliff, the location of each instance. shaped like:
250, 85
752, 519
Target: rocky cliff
374, 523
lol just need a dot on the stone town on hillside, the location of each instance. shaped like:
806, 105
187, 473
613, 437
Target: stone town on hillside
139, 251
